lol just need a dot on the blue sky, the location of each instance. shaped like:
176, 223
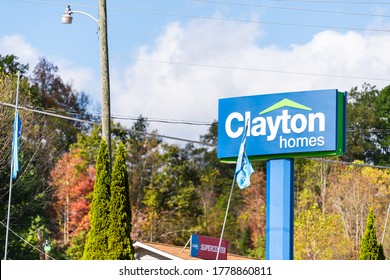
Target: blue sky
173, 59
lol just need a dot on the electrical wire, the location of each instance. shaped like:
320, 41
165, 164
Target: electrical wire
348, 163
52, 112
168, 121
292, 8
227, 67
334, 2
96, 123
224, 19
187, 140
286, 1
28, 243
259, 69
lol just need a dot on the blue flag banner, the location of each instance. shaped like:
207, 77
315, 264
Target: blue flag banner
244, 167
15, 145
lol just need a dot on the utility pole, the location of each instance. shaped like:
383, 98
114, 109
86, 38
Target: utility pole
106, 111
104, 67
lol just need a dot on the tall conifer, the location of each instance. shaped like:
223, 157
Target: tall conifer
96, 246
119, 241
370, 248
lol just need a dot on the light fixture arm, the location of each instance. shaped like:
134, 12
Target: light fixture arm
84, 13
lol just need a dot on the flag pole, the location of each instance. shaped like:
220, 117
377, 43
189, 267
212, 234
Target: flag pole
384, 228
242, 147
10, 176
226, 213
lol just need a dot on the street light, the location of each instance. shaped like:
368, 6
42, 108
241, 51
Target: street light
67, 18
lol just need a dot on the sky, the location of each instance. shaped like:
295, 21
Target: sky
172, 60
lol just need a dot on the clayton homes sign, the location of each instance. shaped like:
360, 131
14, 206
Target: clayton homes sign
285, 125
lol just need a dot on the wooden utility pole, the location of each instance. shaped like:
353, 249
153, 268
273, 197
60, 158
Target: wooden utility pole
104, 65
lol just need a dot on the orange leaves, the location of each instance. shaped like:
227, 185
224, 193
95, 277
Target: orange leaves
73, 182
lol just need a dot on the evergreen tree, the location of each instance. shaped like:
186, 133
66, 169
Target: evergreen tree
96, 246
370, 248
119, 243
367, 118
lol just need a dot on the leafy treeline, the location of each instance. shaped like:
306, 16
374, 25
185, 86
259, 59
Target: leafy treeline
178, 190
44, 140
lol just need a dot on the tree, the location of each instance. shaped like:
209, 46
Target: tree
72, 179
252, 216
142, 153
352, 191
51, 93
370, 248
10, 65
383, 112
367, 110
96, 247
37, 154
119, 242
317, 235
171, 200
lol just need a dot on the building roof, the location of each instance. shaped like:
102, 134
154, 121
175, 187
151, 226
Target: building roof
150, 250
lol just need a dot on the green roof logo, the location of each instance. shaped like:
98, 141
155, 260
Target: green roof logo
285, 103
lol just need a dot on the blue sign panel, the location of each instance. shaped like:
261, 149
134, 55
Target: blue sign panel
282, 125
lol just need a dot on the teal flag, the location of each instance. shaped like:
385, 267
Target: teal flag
244, 167
15, 145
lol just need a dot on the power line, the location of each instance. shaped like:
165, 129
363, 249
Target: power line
293, 8
183, 139
96, 123
258, 69
224, 19
28, 243
349, 163
370, 130
52, 112
168, 121
287, 1
49, 112
229, 67
251, 21
334, 2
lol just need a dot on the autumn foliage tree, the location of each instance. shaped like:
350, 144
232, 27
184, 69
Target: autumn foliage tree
73, 180
252, 217
352, 192
317, 234
44, 140
119, 242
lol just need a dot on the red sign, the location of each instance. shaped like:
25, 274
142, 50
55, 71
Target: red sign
207, 247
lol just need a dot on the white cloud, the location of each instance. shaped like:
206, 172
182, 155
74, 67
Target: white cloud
190, 88
81, 78
185, 92
18, 46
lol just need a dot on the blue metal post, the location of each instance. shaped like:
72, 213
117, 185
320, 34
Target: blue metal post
280, 209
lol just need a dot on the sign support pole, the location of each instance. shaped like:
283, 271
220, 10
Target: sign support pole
280, 209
